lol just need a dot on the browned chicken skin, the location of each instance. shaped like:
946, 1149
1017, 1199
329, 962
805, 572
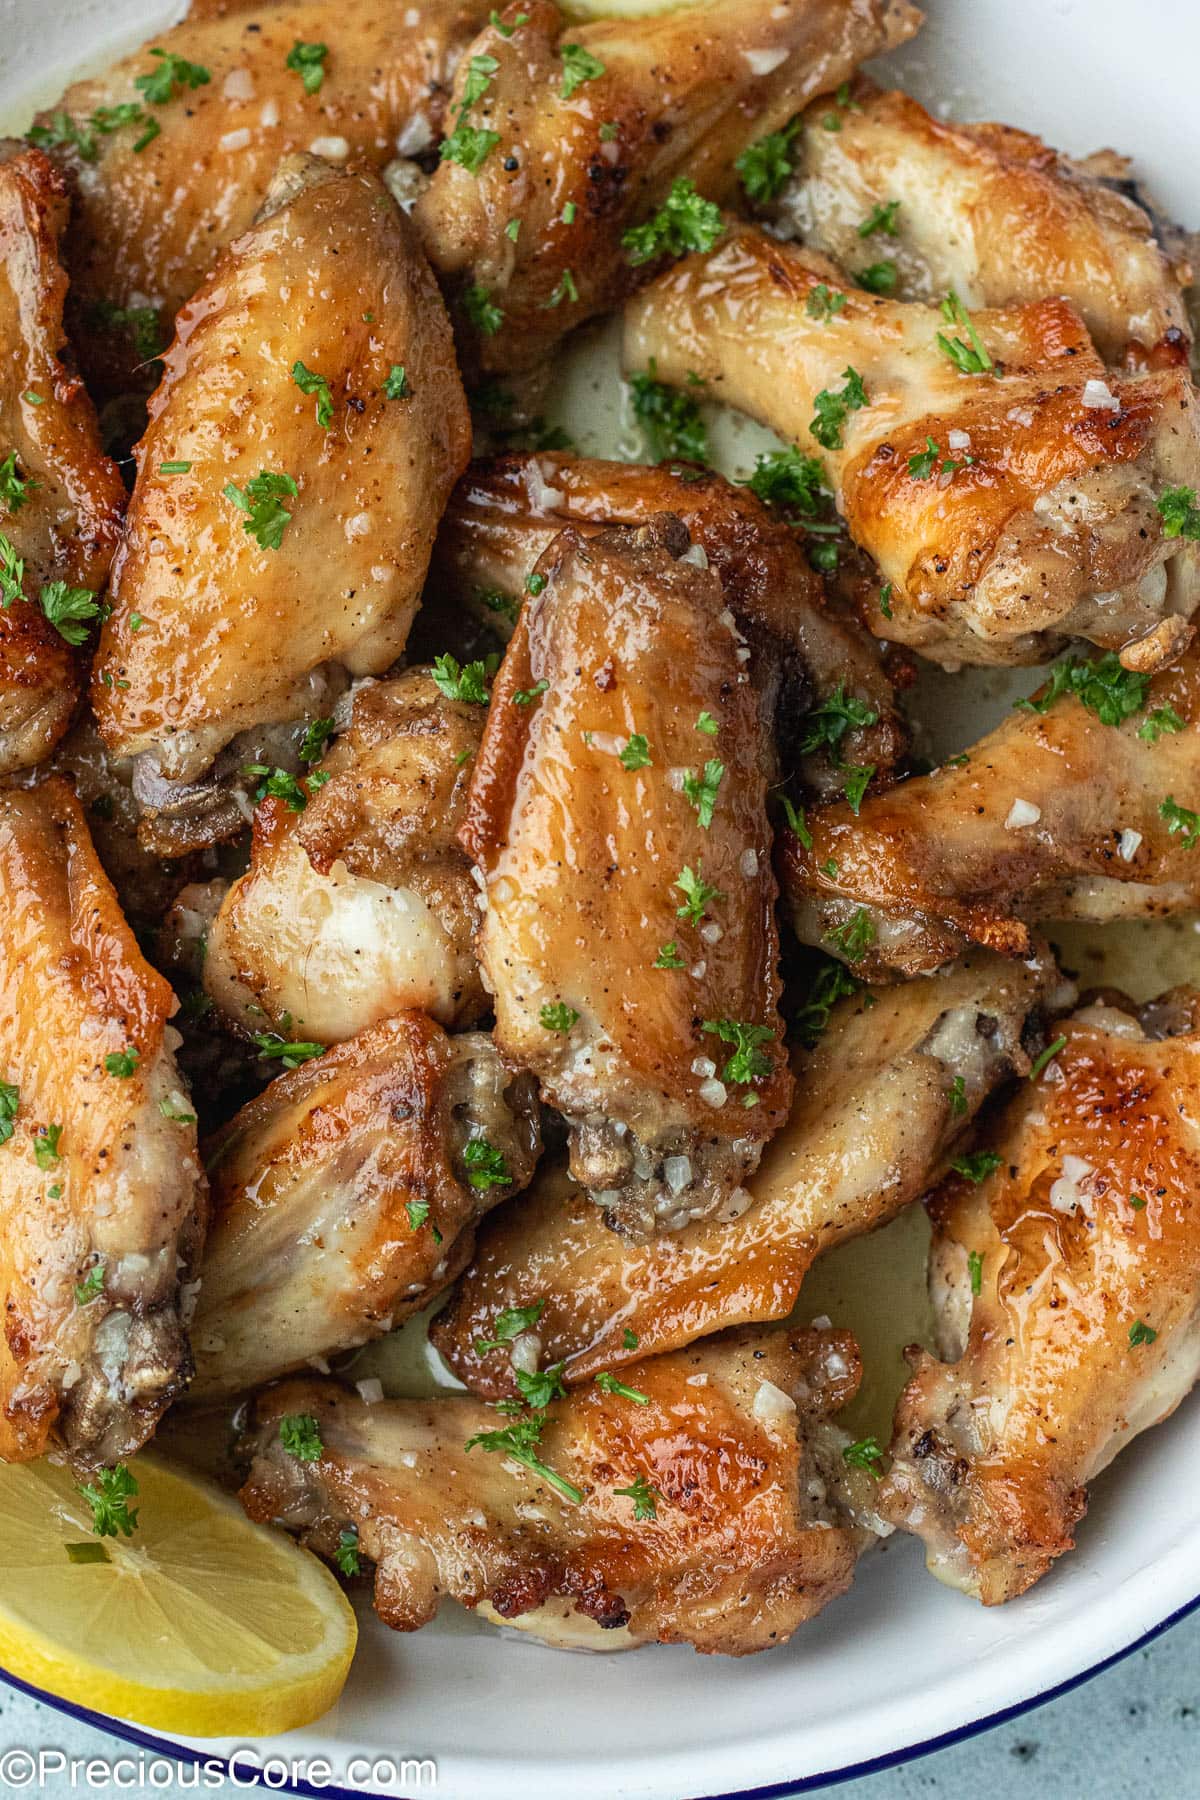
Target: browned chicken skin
60, 508
749, 1535
1054, 815
363, 904
1007, 509
876, 1109
617, 815
342, 1202
505, 512
221, 624
988, 211
1067, 1282
150, 223
677, 93
102, 1195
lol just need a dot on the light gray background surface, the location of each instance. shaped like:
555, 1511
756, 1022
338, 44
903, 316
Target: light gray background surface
1132, 1732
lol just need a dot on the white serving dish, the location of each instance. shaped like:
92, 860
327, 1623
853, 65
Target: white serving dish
901, 1664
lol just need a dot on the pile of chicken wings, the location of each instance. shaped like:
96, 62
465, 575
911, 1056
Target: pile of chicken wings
510, 882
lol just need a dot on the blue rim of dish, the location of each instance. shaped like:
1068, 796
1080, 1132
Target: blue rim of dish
779, 1790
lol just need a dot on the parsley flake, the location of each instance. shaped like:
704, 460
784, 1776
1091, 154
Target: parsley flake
396, 386
976, 1167
109, 1500
519, 1441
789, 479
270, 1045
882, 217
558, 1016
669, 957
485, 1165
764, 166
122, 1063
865, 1454
636, 754
610, 1384
266, 516
10, 1100
832, 409
481, 311
1162, 719
308, 61
92, 1285
696, 894
822, 304
1179, 513
879, 278
345, 1553
311, 383
467, 681
645, 1498
1140, 1334
748, 1062
685, 221
45, 1146
969, 358
173, 72
833, 982
14, 487
701, 791
854, 936
1181, 818
670, 422
579, 65
67, 608
1047, 1056
975, 1271
300, 1436
509, 1324
1102, 685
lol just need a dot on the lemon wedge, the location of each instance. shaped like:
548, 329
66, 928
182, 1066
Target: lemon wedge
200, 1623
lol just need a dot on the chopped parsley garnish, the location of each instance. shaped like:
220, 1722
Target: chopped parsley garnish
558, 1016
481, 311
976, 1167
858, 776
506, 31
885, 599
527, 696
418, 1212
865, 1454
696, 894
109, 1500
747, 1063
854, 936
538, 1387
1163, 718
14, 487
701, 791
64, 132
300, 1436
1181, 818
827, 724
823, 304
1103, 686
796, 821
644, 1496
467, 681
158, 87
45, 1146
10, 1100
629, 1338
485, 1165
669, 957
975, 1271
670, 421
308, 61
1140, 1334
969, 358
520, 1441
707, 724
832, 409
1047, 1056
834, 982
1138, 1202
471, 146
67, 609
579, 65
509, 1324
316, 736
142, 324
309, 382
345, 1553
879, 277
566, 290
610, 1384
496, 602
178, 1115
609, 131
924, 463
958, 1095
92, 1285
636, 754
175, 468
396, 385
270, 1045
535, 583
122, 1063
1179, 513
685, 221
281, 784
882, 217
789, 479
764, 167
266, 516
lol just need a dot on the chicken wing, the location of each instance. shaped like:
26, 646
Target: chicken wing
344, 1196
1073, 808
1006, 488
704, 1509
304, 439
101, 1192
573, 135
170, 159
362, 905
1067, 1279
985, 210
504, 513
893, 1081
60, 498
617, 815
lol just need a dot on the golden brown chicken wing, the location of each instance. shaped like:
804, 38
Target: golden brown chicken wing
1076, 807
1066, 1271
102, 1196
985, 210
505, 512
617, 815
361, 905
173, 148
60, 498
893, 1081
567, 138
344, 1196
307, 431
702, 1508
1007, 488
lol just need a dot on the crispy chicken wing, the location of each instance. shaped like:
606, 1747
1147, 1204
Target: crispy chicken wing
578, 132
504, 513
101, 1192
363, 904
893, 1081
617, 815
1062, 813
707, 1511
307, 432
344, 1196
60, 498
1067, 1282
988, 211
153, 212
1007, 508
